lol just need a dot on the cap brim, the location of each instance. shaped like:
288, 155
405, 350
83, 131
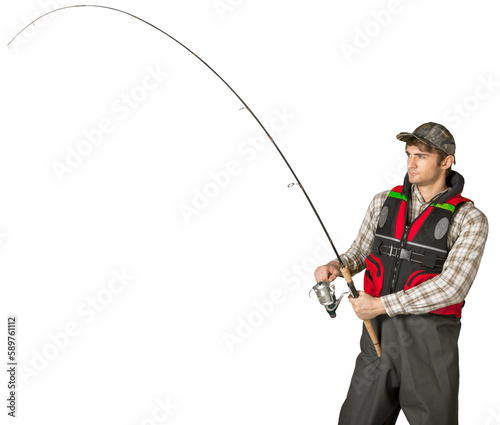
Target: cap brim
405, 137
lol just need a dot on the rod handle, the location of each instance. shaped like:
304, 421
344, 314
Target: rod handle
368, 324
348, 278
373, 336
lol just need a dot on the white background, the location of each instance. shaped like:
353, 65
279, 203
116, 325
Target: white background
196, 279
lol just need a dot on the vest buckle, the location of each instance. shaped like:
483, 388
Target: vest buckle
404, 254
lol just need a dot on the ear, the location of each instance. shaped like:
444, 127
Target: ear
447, 162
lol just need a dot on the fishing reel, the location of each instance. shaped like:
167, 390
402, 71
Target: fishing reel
325, 293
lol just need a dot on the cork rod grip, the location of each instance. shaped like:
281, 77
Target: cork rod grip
368, 324
347, 276
373, 336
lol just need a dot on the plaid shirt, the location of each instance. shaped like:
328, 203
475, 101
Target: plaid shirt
467, 236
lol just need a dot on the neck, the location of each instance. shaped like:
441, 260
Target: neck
430, 191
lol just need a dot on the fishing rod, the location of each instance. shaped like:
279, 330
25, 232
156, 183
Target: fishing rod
324, 290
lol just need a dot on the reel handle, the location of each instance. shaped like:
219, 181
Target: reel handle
354, 293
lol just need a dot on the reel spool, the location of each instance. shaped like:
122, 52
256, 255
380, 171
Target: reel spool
325, 294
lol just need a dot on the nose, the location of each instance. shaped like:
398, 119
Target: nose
411, 163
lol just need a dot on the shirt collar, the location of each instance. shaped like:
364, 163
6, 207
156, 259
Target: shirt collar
418, 196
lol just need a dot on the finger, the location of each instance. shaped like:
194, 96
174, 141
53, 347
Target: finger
320, 274
320, 277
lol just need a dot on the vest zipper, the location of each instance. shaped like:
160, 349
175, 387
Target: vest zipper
397, 266
402, 244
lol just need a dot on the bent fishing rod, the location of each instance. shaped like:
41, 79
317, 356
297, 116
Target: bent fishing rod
324, 290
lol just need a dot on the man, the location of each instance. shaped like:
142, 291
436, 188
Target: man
421, 244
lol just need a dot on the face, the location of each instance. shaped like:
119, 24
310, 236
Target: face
423, 167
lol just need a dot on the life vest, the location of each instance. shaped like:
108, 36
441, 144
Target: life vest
405, 255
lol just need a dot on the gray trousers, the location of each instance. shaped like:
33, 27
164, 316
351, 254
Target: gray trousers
417, 373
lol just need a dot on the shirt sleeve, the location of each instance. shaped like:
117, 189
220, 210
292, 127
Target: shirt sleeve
459, 270
354, 257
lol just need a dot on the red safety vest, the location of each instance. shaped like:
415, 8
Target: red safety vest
405, 255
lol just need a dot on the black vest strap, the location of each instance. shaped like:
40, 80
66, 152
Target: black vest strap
428, 259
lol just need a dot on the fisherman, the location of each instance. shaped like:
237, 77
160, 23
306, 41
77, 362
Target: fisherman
421, 244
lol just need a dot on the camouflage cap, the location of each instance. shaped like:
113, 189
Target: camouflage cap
432, 134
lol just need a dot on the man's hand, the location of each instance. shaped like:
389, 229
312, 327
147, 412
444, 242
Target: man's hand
367, 307
328, 272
